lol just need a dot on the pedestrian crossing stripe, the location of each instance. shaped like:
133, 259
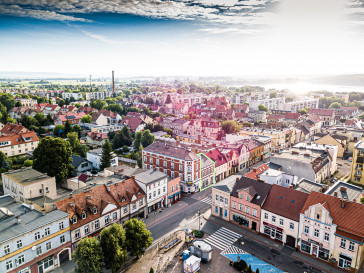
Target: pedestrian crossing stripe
207, 200
223, 238
233, 250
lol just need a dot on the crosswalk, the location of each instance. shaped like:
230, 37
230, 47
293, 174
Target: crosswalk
207, 200
233, 250
222, 238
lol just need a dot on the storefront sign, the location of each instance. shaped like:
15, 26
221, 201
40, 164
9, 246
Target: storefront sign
314, 242
273, 226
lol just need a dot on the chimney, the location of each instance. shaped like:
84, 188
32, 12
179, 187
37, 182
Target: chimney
133, 176
237, 179
343, 202
291, 186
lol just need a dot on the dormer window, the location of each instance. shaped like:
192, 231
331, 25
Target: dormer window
74, 219
83, 215
94, 211
123, 199
139, 192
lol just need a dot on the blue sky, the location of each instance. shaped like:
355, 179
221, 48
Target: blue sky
186, 37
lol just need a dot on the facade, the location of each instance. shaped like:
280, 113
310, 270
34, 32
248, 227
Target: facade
80, 164
154, 184
27, 102
276, 177
207, 171
247, 199
357, 164
18, 144
327, 116
221, 201
179, 126
71, 117
98, 95
221, 164
327, 233
94, 156
294, 106
257, 116
208, 128
331, 140
31, 241
175, 162
174, 191
271, 103
76, 96
25, 184
280, 214
277, 136
96, 138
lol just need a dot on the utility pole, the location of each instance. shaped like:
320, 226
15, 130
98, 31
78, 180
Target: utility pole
199, 224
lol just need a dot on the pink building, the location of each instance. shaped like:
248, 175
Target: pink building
247, 199
204, 127
174, 191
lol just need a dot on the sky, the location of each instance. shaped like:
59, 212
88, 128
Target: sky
183, 38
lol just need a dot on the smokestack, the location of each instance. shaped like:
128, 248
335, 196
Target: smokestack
113, 83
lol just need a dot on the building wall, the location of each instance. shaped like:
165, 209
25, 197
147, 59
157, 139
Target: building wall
331, 141
217, 204
357, 166
244, 204
19, 149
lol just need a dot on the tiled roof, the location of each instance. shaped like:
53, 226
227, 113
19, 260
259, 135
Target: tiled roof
132, 122
217, 156
261, 189
11, 128
321, 112
21, 138
172, 151
253, 174
293, 115
275, 117
97, 136
349, 219
285, 201
124, 191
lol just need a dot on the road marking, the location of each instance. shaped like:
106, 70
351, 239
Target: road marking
222, 238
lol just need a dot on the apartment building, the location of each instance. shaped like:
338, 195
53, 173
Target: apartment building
207, 171
271, 103
75, 96
278, 136
174, 191
31, 103
221, 164
356, 174
98, 95
27, 184
175, 162
71, 117
327, 116
179, 126
31, 241
18, 144
307, 102
208, 128
221, 199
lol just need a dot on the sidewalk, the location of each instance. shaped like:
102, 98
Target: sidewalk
324, 267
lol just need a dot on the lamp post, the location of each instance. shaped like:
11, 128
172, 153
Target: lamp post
199, 222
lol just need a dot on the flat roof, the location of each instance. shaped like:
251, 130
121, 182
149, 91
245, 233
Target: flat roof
26, 176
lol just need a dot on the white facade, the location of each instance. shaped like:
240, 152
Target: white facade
94, 156
76, 96
276, 177
272, 104
308, 102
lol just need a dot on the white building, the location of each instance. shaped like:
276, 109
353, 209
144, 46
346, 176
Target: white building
276, 177
76, 96
307, 102
32, 241
101, 95
94, 156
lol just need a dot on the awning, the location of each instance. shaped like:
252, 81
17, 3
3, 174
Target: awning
171, 196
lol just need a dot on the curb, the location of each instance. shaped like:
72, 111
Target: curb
156, 222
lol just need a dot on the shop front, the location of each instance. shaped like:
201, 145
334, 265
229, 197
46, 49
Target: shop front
316, 249
240, 219
273, 231
345, 261
173, 198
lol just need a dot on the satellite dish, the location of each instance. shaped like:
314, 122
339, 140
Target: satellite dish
34, 248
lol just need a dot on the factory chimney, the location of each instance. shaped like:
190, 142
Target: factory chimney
113, 84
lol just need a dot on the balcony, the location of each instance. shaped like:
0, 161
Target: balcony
189, 183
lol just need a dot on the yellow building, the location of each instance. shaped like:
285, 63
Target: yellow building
278, 136
339, 141
356, 175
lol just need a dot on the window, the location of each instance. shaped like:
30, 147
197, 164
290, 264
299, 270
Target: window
247, 198
171, 188
247, 210
62, 239
20, 259
176, 186
216, 210
254, 212
48, 245
115, 215
47, 231
234, 205
87, 229
221, 199
316, 234
273, 219
266, 216
9, 265
61, 225
150, 196
83, 215
281, 222
226, 201
172, 166
216, 197
351, 246
107, 218
180, 168
19, 244
240, 207
39, 250
37, 235
7, 249
307, 230
343, 243
225, 213
141, 202
241, 196
97, 224
125, 209
77, 234
291, 226
327, 237
74, 219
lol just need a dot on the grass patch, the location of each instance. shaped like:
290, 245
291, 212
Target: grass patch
198, 234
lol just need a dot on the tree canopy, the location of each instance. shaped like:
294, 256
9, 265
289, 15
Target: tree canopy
106, 156
263, 108
230, 126
138, 237
98, 104
147, 138
86, 119
88, 256
335, 105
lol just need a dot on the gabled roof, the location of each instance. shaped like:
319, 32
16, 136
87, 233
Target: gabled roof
97, 136
253, 174
321, 112
261, 189
172, 151
285, 201
293, 115
217, 156
77, 160
16, 139
124, 191
11, 128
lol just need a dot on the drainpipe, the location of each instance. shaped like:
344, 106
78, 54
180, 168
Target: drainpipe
356, 258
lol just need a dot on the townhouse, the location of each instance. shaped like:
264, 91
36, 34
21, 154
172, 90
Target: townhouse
32, 241
18, 144
332, 139
207, 171
71, 117
208, 128
278, 136
221, 199
175, 162
332, 229
134, 122
280, 214
327, 116
179, 126
221, 164
356, 174
174, 191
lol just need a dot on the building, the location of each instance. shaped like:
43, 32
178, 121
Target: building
32, 241
96, 138
207, 171
31, 103
257, 116
18, 144
208, 128
327, 116
94, 156
27, 184
276, 177
221, 199
101, 95
344, 190
357, 164
81, 164
281, 214
294, 106
247, 199
308, 186
339, 141
134, 122
75, 96
174, 191
271, 103
179, 126
332, 229
278, 136
221, 164
11, 128
71, 117
175, 162
154, 183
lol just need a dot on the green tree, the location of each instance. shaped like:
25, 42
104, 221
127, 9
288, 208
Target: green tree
273, 95
86, 119
303, 111
54, 157
263, 108
115, 108
77, 129
58, 130
151, 270
113, 240
67, 128
82, 150
137, 140
73, 140
230, 126
147, 138
28, 163
335, 105
106, 156
98, 104
125, 149
88, 256
138, 237
7, 100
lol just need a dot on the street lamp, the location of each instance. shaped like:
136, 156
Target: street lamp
199, 222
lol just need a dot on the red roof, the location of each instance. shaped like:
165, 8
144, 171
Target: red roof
11, 128
253, 174
321, 112
275, 117
293, 115
217, 156
16, 139
97, 136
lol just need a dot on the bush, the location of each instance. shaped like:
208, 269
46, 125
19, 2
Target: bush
240, 265
257, 270
198, 234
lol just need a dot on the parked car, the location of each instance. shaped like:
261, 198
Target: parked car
334, 180
350, 159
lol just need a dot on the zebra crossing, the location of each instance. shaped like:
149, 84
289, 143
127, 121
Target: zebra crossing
207, 200
222, 238
233, 250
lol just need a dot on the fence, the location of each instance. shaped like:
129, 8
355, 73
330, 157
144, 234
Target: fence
127, 160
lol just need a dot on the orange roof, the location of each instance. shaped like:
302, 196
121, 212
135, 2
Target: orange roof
21, 138
253, 174
11, 128
124, 191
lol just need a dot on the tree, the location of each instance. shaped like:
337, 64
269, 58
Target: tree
138, 237
18, 104
263, 108
335, 105
106, 156
28, 163
98, 104
54, 157
125, 149
151, 270
303, 111
7, 100
147, 138
58, 130
230, 126
168, 100
137, 140
81, 150
273, 95
77, 129
88, 256
115, 108
67, 128
86, 119
73, 140
112, 241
